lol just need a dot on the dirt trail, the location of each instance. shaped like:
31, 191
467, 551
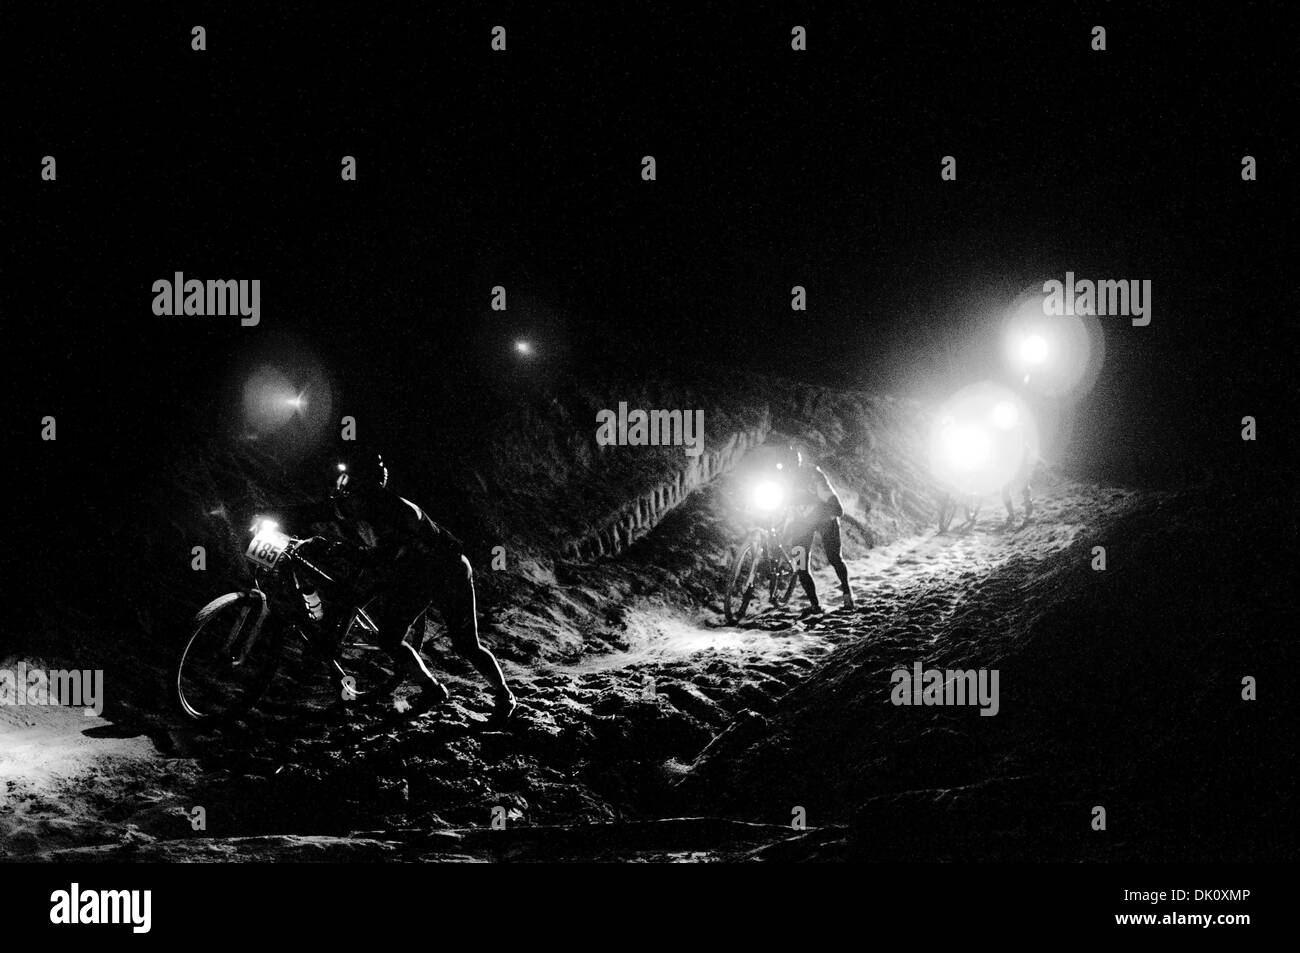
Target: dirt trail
70, 781
941, 569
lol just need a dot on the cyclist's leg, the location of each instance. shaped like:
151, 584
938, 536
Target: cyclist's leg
403, 604
831, 545
802, 538
417, 630
455, 601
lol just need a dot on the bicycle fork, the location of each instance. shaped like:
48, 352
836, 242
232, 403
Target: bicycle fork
237, 630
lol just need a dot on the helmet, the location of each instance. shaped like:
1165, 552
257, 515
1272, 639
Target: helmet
360, 470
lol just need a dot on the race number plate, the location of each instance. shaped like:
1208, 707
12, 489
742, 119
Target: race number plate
267, 546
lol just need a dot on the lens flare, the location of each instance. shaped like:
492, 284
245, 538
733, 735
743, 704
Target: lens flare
1057, 355
979, 439
286, 393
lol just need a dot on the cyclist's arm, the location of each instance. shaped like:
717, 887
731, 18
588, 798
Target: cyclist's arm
832, 507
390, 547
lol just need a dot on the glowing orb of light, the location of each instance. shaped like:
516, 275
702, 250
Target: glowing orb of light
1005, 415
768, 495
967, 447
1033, 349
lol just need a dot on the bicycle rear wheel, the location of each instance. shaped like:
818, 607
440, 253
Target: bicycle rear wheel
367, 669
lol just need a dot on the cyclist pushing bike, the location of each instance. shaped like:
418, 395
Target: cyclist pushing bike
413, 563
815, 511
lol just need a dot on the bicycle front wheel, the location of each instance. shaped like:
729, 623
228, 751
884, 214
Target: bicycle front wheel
947, 509
229, 659
740, 580
783, 577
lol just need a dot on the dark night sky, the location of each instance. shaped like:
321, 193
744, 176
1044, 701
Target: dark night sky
522, 169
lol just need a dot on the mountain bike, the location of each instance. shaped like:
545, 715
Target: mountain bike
760, 565
240, 639
948, 505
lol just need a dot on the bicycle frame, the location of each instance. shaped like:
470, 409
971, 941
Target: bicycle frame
769, 569
295, 607
772, 552
230, 629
